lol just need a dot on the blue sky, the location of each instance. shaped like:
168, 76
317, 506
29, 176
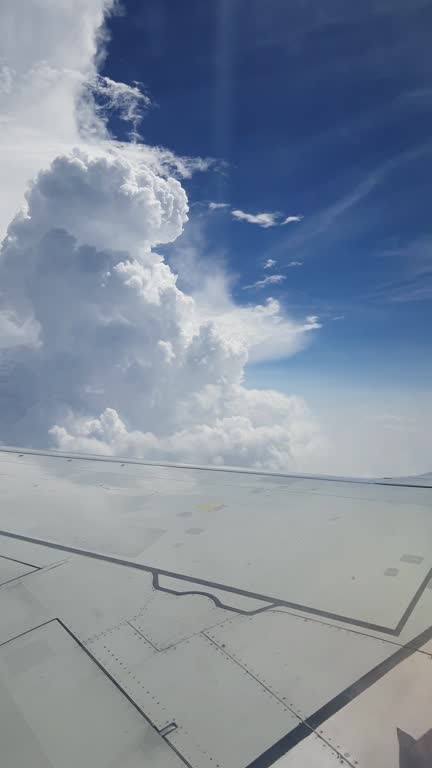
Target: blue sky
309, 233
320, 111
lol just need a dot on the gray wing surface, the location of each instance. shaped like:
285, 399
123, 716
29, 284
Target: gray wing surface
184, 616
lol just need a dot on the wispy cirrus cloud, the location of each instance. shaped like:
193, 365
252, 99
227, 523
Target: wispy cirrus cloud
410, 274
294, 263
324, 219
269, 263
403, 291
292, 220
217, 206
129, 102
265, 219
269, 280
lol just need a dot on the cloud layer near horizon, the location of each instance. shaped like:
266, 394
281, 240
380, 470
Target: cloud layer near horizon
99, 348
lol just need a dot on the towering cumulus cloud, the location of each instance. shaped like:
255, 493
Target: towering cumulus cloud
99, 349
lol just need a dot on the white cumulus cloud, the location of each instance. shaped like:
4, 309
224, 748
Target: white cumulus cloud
100, 350
269, 263
43, 76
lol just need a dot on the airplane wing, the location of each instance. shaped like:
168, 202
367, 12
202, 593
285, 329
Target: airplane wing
171, 616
